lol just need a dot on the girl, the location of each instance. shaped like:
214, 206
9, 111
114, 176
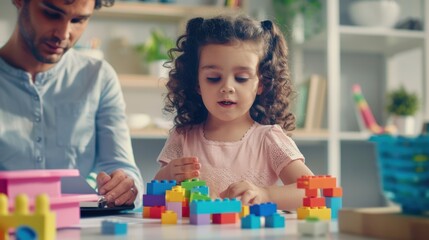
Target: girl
230, 88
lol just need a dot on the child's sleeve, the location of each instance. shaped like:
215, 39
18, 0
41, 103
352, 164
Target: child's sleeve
282, 149
173, 148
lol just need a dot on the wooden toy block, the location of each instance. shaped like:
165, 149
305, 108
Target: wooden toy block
314, 202
263, 209
176, 194
251, 222
201, 189
335, 204
316, 182
42, 220
275, 221
156, 187
169, 217
318, 212
311, 192
146, 212
313, 227
155, 212
198, 196
215, 206
333, 192
175, 207
245, 210
224, 218
153, 200
114, 227
383, 223
199, 219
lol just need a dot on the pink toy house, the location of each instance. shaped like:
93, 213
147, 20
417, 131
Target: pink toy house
34, 182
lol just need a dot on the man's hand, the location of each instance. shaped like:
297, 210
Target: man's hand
248, 192
118, 188
183, 168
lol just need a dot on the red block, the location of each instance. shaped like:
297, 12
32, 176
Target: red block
311, 192
314, 202
224, 218
155, 212
185, 211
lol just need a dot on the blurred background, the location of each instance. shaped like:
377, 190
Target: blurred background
380, 45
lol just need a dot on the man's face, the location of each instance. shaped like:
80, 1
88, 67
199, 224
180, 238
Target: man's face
49, 28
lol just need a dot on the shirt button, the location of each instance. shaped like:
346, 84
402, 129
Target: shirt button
39, 159
38, 139
37, 119
36, 98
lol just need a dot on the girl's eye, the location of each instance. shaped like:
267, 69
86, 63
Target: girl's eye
213, 79
241, 79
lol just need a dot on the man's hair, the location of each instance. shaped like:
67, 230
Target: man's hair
103, 3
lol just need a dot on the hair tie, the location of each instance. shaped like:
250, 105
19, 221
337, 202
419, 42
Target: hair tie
267, 25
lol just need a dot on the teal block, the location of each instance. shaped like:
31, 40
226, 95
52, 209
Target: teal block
251, 222
335, 204
215, 206
275, 221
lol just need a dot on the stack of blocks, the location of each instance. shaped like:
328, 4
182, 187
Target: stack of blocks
41, 221
267, 210
325, 207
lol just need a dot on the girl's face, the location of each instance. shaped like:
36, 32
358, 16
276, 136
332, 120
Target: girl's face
228, 80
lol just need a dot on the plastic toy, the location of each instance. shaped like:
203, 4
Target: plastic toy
114, 227
313, 227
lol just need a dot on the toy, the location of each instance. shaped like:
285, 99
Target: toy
35, 182
25, 233
42, 220
169, 217
114, 227
251, 222
275, 221
313, 226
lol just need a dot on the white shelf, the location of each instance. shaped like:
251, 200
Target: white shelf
355, 136
158, 12
370, 40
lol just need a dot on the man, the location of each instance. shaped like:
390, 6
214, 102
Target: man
59, 109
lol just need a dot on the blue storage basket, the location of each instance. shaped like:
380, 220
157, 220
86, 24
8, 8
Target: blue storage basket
404, 170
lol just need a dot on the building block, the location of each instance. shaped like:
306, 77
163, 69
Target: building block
42, 220
25, 233
198, 196
333, 192
313, 182
311, 192
146, 212
245, 210
114, 227
155, 212
224, 218
199, 219
275, 221
175, 207
176, 194
313, 227
263, 209
169, 217
251, 222
188, 184
314, 202
201, 189
319, 212
156, 187
185, 211
335, 204
153, 200
185, 203
225, 205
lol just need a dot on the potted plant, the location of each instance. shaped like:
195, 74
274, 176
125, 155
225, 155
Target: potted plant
402, 107
154, 52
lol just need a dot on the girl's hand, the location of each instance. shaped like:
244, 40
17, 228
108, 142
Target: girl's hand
183, 168
248, 192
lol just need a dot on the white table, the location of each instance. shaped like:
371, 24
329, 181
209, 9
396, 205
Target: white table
138, 228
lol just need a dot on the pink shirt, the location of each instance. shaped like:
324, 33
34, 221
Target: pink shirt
258, 157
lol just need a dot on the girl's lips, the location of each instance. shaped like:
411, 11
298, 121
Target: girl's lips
226, 103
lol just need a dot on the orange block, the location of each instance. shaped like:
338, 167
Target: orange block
333, 192
146, 212
311, 192
314, 202
314, 182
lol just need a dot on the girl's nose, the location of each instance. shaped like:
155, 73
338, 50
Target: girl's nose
227, 89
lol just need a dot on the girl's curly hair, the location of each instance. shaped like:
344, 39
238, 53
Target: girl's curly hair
270, 107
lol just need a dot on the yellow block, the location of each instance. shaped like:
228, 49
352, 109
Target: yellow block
42, 220
169, 217
323, 213
244, 211
176, 194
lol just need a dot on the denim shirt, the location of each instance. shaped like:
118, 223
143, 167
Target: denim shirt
72, 116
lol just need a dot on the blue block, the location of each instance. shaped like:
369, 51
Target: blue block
113, 227
215, 206
263, 209
25, 233
201, 189
251, 222
275, 221
335, 204
156, 187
